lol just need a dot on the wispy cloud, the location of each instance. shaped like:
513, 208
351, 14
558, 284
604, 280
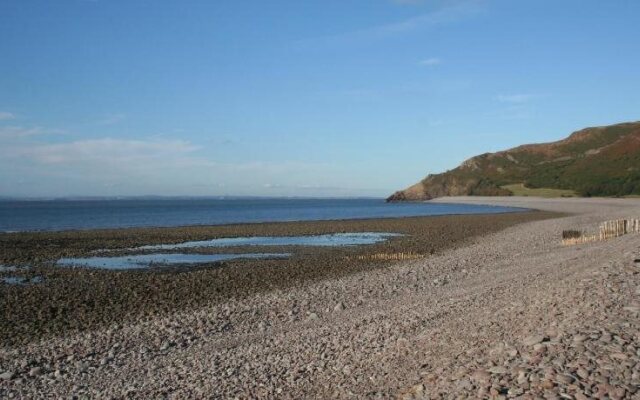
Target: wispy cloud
15, 132
448, 13
146, 165
106, 150
515, 98
428, 62
5, 116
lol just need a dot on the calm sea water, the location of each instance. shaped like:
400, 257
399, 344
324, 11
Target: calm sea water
89, 214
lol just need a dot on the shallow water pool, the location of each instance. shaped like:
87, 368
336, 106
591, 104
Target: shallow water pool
327, 240
18, 280
160, 260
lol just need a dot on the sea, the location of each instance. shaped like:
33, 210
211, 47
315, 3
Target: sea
59, 215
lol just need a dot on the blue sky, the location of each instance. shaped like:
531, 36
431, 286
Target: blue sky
304, 98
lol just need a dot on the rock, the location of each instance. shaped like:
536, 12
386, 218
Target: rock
547, 384
619, 356
533, 340
464, 384
540, 347
564, 379
618, 393
313, 316
6, 376
513, 392
498, 370
582, 373
579, 338
35, 371
481, 376
338, 307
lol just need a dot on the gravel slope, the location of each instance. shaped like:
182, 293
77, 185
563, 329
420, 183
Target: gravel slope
511, 314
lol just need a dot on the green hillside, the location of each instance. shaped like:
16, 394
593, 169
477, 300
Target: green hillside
600, 161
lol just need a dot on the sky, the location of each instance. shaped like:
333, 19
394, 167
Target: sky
296, 98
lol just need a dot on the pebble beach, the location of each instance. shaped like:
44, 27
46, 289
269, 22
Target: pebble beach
497, 307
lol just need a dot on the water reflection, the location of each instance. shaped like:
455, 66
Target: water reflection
159, 260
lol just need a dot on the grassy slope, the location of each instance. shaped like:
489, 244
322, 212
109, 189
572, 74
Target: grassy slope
602, 161
518, 189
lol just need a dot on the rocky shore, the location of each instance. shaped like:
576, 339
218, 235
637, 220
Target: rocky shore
505, 314
71, 300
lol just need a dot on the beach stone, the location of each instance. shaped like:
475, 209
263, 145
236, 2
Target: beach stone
7, 375
565, 379
481, 376
618, 393
464, 384
513, 392
533, 340
547, 384
35, 371
498, 370
579, 338
339, 307
582, 373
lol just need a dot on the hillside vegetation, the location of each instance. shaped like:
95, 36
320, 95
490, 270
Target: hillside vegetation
519, 189
599, 161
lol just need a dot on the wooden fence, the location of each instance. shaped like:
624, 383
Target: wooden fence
618, 227
607, 230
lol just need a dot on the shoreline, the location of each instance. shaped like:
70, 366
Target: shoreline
504, 313
112, 295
